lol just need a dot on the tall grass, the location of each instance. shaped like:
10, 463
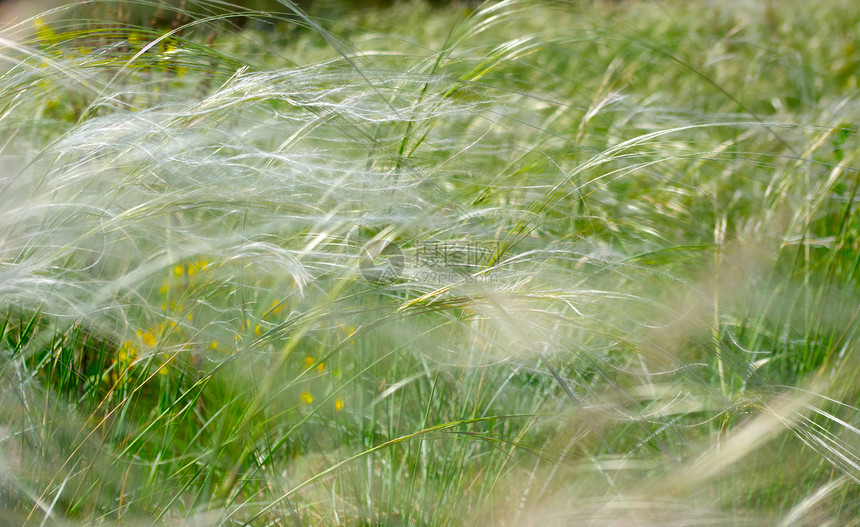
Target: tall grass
623, 286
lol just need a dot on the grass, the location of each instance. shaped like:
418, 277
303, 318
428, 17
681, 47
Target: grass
526, 263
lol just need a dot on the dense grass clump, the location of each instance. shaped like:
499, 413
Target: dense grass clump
533, 263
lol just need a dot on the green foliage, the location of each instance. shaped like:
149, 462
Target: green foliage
627, 287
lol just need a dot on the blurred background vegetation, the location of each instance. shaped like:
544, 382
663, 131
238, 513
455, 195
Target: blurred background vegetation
666, 198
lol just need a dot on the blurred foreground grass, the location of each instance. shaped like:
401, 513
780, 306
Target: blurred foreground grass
528, 264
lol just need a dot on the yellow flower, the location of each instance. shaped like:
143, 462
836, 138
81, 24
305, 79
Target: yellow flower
309, 361
338, 404
167, 359
149, 339
43, 29
127, 353
257, 330
195, 267
213, 346
321, 366
307, 398
179, 270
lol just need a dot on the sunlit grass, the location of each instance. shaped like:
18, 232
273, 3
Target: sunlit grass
623, 288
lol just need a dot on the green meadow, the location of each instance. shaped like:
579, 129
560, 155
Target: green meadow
526, 262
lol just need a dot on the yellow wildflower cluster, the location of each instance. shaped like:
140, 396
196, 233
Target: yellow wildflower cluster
151, 338
173, 290
266, 319
276, 309
125, 358
306, 397
181, 275
127, 354
246, 327
310, 361
44, 32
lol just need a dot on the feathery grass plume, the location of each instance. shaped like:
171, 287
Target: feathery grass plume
532, 263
